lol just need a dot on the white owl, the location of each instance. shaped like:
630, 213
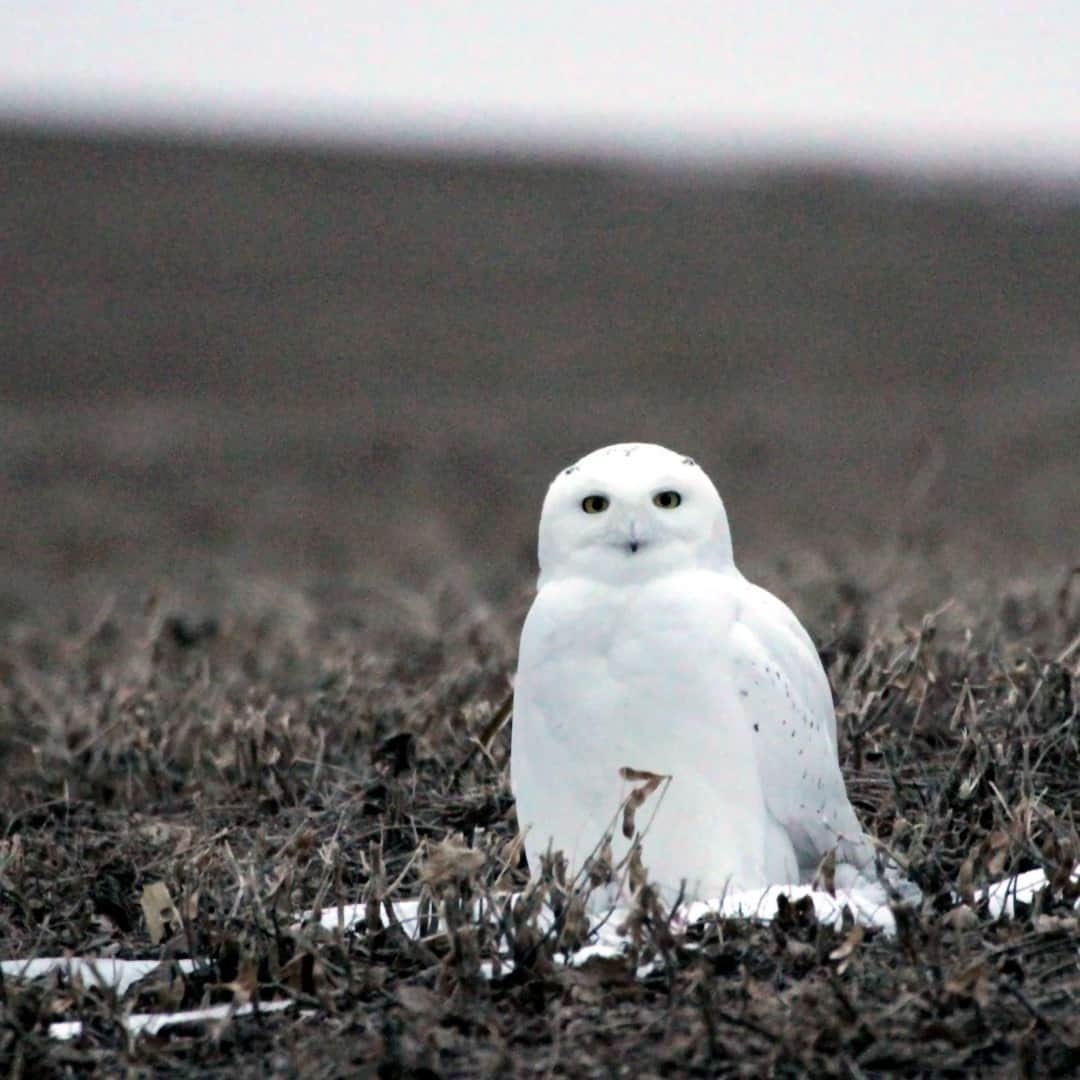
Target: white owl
646, 649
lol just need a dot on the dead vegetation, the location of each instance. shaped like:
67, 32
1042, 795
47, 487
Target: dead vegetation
183, 784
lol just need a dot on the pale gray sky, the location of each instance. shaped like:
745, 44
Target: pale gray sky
968, 84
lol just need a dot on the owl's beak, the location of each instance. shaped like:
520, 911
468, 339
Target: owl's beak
624, 534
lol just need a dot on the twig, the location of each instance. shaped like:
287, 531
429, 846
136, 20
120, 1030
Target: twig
487, 735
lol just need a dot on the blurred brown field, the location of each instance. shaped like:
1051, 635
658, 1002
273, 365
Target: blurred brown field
301, 364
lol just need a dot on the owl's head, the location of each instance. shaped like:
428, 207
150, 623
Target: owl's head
632, 512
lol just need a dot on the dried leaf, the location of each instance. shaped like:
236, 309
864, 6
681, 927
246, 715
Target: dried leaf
159, 911
961, 917
600, 867
165, 832
847, 947
826, 872
650, 782
450, 860
965, 880
972, 981
244, 985
637, 872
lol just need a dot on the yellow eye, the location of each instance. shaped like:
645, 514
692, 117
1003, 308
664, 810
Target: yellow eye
667, 500
594, 504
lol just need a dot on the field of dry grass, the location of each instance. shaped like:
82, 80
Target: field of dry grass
274, 432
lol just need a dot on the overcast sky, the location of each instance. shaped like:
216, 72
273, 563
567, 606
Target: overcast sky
973, 84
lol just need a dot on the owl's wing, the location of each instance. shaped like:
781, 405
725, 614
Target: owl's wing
785, 697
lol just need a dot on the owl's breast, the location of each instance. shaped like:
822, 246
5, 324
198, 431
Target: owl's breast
639, 677
622, 668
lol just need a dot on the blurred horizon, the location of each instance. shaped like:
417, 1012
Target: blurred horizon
915, 89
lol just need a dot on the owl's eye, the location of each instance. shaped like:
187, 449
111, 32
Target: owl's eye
594, 504
667, 500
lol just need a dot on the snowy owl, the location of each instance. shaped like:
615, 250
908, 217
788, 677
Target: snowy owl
652, 672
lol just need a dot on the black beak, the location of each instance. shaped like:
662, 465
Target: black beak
633, 546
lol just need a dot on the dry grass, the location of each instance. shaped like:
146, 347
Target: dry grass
259, 764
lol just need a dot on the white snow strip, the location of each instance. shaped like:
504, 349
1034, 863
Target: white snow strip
1003, 896
608, 940
107, 973
763, 904
352, 916
153, 1023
